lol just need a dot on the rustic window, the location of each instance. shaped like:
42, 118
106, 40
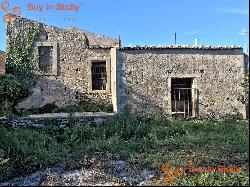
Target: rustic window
45, 59
99, 75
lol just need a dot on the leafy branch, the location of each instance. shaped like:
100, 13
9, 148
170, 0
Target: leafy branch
20, 78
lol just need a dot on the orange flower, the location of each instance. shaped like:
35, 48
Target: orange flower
169, 179
166, 168
178, 172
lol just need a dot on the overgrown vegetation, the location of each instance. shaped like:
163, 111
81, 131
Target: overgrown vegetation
143, 142
19, 80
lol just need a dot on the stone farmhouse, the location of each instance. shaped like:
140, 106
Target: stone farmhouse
191, 81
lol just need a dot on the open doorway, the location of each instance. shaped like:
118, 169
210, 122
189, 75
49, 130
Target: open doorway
182, 97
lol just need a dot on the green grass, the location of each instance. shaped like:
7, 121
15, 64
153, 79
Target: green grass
146, 143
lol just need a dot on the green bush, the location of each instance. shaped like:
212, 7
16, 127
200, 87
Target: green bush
6, 111
213, 179
48, 108
11, 89
90, 106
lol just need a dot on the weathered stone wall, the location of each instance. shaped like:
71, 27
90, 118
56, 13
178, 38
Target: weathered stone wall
69, 80
138, 77
144, 78
2, 64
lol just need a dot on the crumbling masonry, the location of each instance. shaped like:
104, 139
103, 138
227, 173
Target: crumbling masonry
75, 65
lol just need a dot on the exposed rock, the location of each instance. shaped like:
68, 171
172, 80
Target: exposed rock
120, 176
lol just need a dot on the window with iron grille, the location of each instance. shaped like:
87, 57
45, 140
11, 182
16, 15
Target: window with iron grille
99, 75
181, 97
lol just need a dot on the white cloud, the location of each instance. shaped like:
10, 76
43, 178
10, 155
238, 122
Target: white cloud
240, 11
244, 31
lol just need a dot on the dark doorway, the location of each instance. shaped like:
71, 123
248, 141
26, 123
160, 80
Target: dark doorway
99, 75
181, 97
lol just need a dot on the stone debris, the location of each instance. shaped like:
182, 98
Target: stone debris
119, 173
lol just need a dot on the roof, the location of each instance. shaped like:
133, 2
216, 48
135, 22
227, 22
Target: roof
180, 47
100, 47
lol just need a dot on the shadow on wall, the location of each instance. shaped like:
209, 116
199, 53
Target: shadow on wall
51, 95
147, 106
144, 105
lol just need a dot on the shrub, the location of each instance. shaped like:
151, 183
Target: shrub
11, 89
48, 108
91, 106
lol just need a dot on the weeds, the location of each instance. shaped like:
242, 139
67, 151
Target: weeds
144, 142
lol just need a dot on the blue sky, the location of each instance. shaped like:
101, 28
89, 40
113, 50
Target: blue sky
147, 22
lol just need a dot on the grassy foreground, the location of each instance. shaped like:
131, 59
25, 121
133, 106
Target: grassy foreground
145, 143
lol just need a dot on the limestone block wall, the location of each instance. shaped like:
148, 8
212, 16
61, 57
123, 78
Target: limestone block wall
144, 78
72, 49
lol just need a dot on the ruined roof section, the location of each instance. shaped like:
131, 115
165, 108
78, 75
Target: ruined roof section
100, 47
93, 39
179, 47
97, 40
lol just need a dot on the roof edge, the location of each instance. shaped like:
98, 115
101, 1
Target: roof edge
180, 47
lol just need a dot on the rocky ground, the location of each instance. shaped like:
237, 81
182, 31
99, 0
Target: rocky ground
92, 173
